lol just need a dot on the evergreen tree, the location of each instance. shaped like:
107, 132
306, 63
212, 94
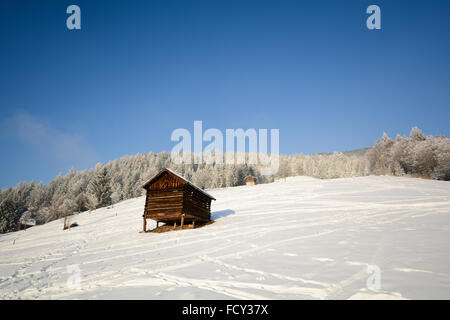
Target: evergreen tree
9, 216
417, 134
100, 188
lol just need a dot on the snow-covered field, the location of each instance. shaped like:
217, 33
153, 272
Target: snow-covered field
301, 238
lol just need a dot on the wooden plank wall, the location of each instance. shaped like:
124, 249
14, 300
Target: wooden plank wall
169, 197
167, 181
196, 204
164, 205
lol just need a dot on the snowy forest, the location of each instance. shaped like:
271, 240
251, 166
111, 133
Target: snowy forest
78, 191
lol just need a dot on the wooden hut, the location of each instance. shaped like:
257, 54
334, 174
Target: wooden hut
27, 220
172, 199
250, 181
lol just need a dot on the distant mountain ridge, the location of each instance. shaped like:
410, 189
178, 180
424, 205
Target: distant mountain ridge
356, 152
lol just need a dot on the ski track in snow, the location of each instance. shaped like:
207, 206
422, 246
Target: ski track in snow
301, 238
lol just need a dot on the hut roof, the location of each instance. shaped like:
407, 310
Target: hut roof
27, 219
155, 177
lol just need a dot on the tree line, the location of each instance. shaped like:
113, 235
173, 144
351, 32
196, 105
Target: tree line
78, 191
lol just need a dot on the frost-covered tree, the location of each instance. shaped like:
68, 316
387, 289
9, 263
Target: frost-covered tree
202, 178
417, 155
122, 178
9, 216
100, 188
416, 134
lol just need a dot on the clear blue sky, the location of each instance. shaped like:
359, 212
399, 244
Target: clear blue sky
137, 70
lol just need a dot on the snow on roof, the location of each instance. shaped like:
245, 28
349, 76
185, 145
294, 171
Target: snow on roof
29, 222
181, 177
27, 218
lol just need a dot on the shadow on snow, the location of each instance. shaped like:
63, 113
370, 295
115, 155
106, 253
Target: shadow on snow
222, 213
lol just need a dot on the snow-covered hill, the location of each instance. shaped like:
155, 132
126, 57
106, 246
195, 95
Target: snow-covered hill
301, 238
